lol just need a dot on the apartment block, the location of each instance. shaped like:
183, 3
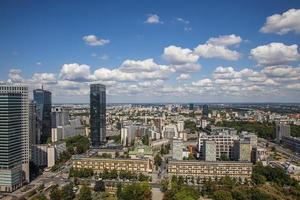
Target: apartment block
210, 170
100, 164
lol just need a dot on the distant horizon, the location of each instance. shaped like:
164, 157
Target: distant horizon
195, 103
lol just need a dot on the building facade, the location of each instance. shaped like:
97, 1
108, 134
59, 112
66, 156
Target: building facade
224, 144
100, 164
10, 141
177, 148
209, 150
23, 91
282, 129
210, 170
205, 110
59, 117
43, 102
45, 155
34, 129
97, 114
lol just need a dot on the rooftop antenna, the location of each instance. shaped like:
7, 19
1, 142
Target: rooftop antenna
42, 87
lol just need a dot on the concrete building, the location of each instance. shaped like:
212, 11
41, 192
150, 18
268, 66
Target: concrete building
209, 150
223, 130
43, 101
282, 129
157, 144
204, 123
158, 123
11, 89
242, 150
170, 131
59, 117
224, 144
129, 133
177, 148
98, 114
45, 155
210, 170
250, 137
180, 126
63, 132
98, 165
11, 140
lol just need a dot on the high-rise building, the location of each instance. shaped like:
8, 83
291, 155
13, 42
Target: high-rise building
34, 132
282, 129
11, 141
180, 126
205, 110
43, 104
177, 148
242, 150
59, 117
97, 114
209, 149
14, 136
191, 106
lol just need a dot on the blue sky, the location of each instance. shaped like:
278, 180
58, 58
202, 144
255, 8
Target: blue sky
61, 44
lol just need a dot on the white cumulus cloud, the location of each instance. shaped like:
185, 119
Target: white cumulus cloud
275, 54
75, 72
183, 77
153, 19
213, 51
225, 40
281, 24
177, 55
92, 40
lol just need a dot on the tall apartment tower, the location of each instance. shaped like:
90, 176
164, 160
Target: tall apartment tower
97, 114
209, 149
14, 136
43, 102
282, 129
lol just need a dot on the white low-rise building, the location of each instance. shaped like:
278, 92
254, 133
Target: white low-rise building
46, 154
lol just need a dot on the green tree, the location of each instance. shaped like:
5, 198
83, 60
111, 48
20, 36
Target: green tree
136, 191
145, 140
67, 192
258, 179
157, 160
186, 193
143, 177
85, 193
222, 195
55, 193
99, 186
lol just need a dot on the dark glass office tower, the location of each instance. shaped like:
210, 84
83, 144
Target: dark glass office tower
97, 114
205, 110
43, 102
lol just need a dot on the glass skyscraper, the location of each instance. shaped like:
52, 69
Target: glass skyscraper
14, 138
43, 102
97, 114
205, 110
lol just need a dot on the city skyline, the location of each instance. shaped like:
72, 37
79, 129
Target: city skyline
174, 52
